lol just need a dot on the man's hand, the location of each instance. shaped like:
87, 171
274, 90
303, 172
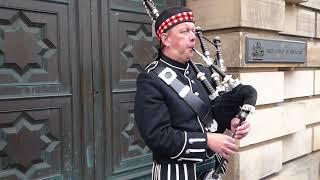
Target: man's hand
222, 144
242, 130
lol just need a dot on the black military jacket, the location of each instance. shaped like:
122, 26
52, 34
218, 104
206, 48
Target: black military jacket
167, 124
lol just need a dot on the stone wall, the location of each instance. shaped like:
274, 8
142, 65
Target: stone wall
284, 142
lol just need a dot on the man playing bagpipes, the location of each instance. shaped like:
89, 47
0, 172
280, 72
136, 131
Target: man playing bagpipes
176, 118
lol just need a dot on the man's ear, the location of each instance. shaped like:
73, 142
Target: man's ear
164, 39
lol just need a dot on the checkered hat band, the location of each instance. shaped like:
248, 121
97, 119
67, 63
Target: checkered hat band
173, 20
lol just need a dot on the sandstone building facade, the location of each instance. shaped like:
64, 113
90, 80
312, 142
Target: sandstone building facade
285, 139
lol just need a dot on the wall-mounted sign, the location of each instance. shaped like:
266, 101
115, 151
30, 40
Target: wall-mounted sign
278, 51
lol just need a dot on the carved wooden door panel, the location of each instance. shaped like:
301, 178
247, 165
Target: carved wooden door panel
35, 90
131, 48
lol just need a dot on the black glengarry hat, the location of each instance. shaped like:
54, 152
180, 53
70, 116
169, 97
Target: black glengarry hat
171, 17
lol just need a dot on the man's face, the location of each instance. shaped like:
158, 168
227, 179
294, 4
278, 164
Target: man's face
179, 41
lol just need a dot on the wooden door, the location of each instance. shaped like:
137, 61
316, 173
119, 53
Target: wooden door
37, 103
131, 48
67, 86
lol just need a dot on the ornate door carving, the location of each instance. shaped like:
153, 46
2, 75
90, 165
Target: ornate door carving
131, 48
35, 90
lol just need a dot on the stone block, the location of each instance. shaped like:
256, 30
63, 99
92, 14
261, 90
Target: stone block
299, 21
297, 144
295, 1
274, 122
317, 80
312, 4
230, 47
311, 111
303, 168
318, 25
313, 53
216, 14
260, 161
269, 85
298, 84
316, 138
305, 112
262, 14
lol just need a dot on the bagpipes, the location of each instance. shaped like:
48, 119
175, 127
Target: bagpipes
230, 98
235, 100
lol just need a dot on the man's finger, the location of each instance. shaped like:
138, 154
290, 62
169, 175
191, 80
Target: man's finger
232, 147
243, 126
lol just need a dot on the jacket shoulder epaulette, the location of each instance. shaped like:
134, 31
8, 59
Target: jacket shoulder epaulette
151, 66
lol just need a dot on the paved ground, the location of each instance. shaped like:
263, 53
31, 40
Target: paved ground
303, 168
